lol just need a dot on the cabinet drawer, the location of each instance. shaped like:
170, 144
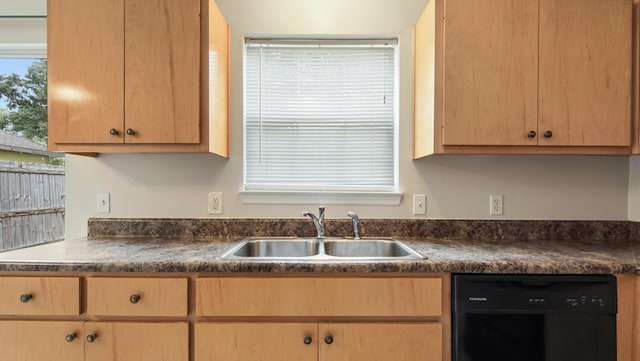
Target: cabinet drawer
39, 296
318, 296
137, 296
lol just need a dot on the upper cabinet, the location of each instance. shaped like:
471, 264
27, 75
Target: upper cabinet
490, 72
524, 76
585, 72
161, 71
137, 76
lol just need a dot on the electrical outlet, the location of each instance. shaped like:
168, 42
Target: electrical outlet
102, 203
419, 204
495, 205
215, 203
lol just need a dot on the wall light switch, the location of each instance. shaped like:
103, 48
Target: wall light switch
102, 203
419, 204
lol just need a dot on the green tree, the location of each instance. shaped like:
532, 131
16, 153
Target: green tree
3, 119
26, 99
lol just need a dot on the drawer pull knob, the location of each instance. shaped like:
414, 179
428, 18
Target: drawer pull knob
130, 131
70, 337
91, 337
134, 299
328, 339
548, 134
113, 131
307, 340
24, 298
532, 134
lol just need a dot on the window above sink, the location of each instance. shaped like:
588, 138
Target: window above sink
320, 116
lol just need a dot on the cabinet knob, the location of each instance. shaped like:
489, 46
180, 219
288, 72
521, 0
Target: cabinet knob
130, 132
24, 298
532, 134
134, 298
91, 337
328, 339
307, 340
113, 131
548, 134
70, 337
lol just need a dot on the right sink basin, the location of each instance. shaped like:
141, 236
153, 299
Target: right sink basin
369, 248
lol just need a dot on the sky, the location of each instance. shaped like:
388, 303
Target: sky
18, 66
10, 65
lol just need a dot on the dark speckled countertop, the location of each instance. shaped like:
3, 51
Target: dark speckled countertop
116, 245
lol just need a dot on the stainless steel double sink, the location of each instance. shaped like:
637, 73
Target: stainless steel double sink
314, 249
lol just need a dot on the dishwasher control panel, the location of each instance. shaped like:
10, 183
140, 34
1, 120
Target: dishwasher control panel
535, 293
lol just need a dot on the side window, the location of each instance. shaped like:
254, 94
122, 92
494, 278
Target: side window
31, 178
320, 115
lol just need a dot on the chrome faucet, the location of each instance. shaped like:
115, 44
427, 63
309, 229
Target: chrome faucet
356, 221
317, 221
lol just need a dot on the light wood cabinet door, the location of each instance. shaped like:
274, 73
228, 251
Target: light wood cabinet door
490, 50
126, 341
585, 72
85, 71
380, 341
162, 71
264, 341
41, 340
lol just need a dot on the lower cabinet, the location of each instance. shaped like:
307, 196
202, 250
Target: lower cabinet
309, 341
41, 340
186, 317
93, 341
143, 341
381, 341
265, 341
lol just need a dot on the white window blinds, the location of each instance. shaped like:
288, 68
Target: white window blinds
320, 115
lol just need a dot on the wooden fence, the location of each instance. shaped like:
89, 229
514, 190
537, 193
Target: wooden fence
31, 204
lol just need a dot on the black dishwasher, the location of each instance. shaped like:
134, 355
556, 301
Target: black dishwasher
533, 317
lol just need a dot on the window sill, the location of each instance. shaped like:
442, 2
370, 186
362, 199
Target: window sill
324, 197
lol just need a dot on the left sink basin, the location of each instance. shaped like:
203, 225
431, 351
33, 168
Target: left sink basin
274, 248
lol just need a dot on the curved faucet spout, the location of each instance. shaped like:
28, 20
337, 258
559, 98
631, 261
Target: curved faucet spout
318, 222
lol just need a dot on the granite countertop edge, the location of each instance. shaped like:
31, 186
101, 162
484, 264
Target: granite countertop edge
202, 255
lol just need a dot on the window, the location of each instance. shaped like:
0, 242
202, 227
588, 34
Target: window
321, 115
32, 203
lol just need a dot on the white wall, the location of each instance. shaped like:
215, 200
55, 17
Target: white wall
176, 185
634, 189
23, 7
